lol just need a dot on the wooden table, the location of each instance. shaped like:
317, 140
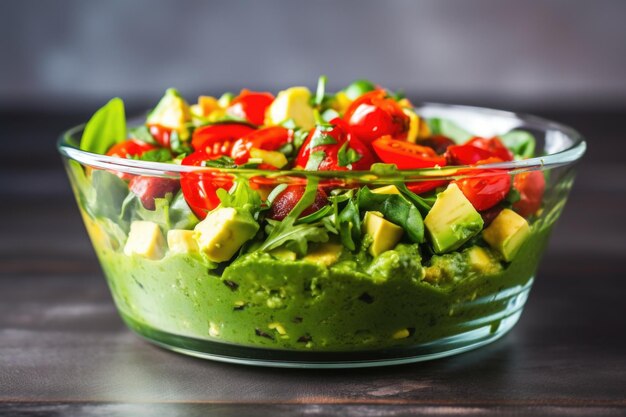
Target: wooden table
64, 350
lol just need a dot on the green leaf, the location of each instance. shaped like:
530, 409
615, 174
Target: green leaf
346, 156
422, 204
285, 231
318, 215
396, 209
297, 238
299, 137
449, 129
349, 225
321, 89
320, 137
241, 197
143, 134
221, 162
177, 145
155, 155
169, 212
109, 192
520, 142
358, 88
105, 128
315, 159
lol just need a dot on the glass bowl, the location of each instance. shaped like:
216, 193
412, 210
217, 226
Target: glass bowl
271, 309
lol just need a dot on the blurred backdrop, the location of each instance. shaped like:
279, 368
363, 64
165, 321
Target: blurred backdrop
64, 54
60, 60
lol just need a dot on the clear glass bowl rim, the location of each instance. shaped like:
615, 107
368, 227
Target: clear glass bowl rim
566, 156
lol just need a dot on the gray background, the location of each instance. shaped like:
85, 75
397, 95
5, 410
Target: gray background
68, 54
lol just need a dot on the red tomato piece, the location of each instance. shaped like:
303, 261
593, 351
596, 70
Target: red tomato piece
485, 191
422, 187
439, 143
200, 188
406, 155
251, 106
336, 141
161, 134
287, 200
531, 186
374, 115
493, 145
268, 139
149, 188
218, 139
466, 155
130, 148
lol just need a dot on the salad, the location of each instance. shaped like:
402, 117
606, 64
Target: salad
283, 235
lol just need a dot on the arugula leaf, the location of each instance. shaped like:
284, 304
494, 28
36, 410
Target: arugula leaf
285, 231
105, 128
318, 215
241, 197
520, 142
448, 128
298, 237
221, 162
349, 225
346, 156
315, 159
169, 212
396, 209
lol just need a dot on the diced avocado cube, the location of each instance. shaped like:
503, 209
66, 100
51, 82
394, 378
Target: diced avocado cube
292, 103
171, 112
324, 254
452, 221
273, 158
482, 261
223, 232
146, 240
507, 233
181, 241
385, 235
284, 254
387, 189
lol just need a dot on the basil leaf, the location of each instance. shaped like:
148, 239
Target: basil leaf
448, 129
105, 128
155, 155
520, 142
346, 156
315, 159
396, 209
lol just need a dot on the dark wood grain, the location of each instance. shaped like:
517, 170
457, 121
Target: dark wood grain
64, 350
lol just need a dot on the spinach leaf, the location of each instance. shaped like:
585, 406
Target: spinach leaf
346, 156
520, 142
298, 237
449, 129
105, 128
181, 216
349, 225
155, 155
396, 209
422, 204
285, 231
108, 194
143, 134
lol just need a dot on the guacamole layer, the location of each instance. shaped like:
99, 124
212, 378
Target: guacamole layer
358, 303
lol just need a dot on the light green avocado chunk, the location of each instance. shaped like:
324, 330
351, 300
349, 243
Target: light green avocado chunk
172, 112
452, 221
223, 232
507, 233
385, 235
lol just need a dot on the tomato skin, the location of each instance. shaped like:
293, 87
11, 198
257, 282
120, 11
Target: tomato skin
531, 186
466, 155
129, 148
422, 187
200, 188
251, 106
493, 145
339, 133
374, 115
286, 201
438, 143
148, 188
485, 191
406, 155
218, 139
161, 134
268, 139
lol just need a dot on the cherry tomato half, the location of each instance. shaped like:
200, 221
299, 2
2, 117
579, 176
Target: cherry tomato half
200, 188
422, 187
130, 148
251, 106
218, 139
493, 145
531, 186
286, 201
485, 191
374, 115
439, 143
406, 155
149, 188
340, 151
268, 139
466, 155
